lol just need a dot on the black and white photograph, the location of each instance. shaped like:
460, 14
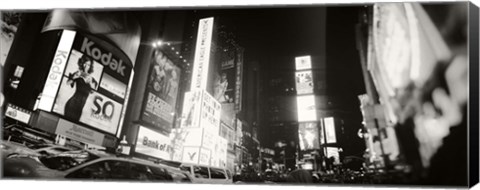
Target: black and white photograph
306, 95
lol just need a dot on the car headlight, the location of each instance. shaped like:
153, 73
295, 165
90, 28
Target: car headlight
2, 146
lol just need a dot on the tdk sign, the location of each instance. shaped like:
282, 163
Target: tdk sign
105, 58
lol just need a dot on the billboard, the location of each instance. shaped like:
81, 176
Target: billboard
308, 136
202, 54
161, 92
330, 134
306, 108
304, 82
93, 84
196, 155
303, 62
153, 144
201, 110
79, 133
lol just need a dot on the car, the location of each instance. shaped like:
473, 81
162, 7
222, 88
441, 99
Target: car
27, 135
9, 148
203, 174
98, 166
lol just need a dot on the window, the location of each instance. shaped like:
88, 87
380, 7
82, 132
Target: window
217, 174
179, 176
148, 173
200, 172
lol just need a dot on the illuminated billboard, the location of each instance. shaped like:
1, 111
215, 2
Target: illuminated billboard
54, 76
303, 62
201, 110
196, 155
306, 108
202, 54
332, 152
304, 82
308, 136
92, 86
153, 143
330, 130
161, 92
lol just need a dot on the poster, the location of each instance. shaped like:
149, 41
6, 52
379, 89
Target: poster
161, 92
224, 87
191, 109
304, 82
308, 136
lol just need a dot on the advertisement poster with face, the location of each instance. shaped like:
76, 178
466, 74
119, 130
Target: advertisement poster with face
304, 82
308, 135
224, 87
80, 79
93, 86
161, 93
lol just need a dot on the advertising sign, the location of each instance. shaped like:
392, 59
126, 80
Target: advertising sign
303, 62
238, 80
93, 85
56, 70
308, 136
330, 130
210, 113
202, 54
191, 109
79, 133
153, 144
224, 86
306, 108
304, 82
161, 92
196, 155
18, 113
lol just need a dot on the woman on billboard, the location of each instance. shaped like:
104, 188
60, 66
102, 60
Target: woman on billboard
83, 83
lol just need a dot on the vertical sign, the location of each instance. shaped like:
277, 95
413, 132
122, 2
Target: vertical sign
238, 80
202, 54
330, 130
56, 70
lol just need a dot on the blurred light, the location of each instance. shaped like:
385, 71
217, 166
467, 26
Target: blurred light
168, 43
181, 56
184, 60
159, 42
173, 48
176, 53
154, 44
